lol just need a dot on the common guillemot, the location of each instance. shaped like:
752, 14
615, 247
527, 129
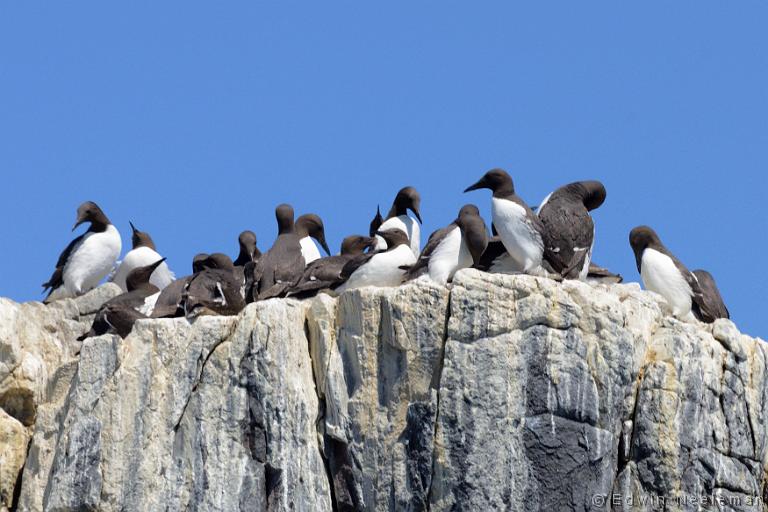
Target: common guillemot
714, 305
664, 274
143, 253
310, 226
384, 268
397, 218
88, 258
569, 231
456, 246
216, 289
283, 264
520, 230
249, 252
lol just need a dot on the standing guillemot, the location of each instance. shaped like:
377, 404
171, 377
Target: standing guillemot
217, 289
664, 274
569, 233
169, 302
397, 218
88, 258
520, 230
456, 246
249, 252
142, 254
325, 273
383, 268
283, 264
119, 313
310, 226
710, 296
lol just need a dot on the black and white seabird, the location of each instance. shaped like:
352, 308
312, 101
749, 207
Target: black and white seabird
397, 218
456, 246
664, 274
119, 313
714, 306
310, 226
88, 258
142, 254
283, 264
520, 230
384, 268
569, 233
325, 273
249, 252
216, 289
376, 222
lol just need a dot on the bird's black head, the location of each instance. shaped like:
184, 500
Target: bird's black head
469, 209
284, 215
197, 262
407, 198
641, 238
394, 237
141, 238
310, 224
356, 244
140, 276
247, 242
218, 260
90, 212
377, 221
591, 193
497, 180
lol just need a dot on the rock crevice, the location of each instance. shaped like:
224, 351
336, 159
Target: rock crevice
500, 393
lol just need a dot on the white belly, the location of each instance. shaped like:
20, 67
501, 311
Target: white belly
660, 275
404, 223
309, 250
522, 242
141, 257
383, 269
92, 260
449, 256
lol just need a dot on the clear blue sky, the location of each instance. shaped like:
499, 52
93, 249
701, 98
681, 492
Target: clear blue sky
195, 119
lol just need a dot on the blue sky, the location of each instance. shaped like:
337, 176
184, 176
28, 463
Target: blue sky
194, 120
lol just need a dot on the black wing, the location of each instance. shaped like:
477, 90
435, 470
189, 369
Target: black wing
282, 264
57, 278
217, 290
169, 303
709, 305
355, 263
568, 236
494, 249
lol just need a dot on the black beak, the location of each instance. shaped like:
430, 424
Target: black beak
480, 184
157, 263
382, 234
415, 210
324, 244
133, 228
79, 221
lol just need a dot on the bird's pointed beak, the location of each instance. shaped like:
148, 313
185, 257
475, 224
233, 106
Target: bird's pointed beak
158, 263
133, 228
80, 219
324, 244
380, 233
415, 211
480, 184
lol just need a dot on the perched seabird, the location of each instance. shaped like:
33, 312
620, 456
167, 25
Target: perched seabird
520, 230
569, 233
456, 246
283, 265
249, 252
664, 274
88, 258
325, 273
376, 222
714, 306
119, 313
380, 268
310, 226
217, 289
142, 254
397, 218
169, 303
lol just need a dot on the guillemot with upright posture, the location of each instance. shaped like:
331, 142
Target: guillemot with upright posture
714, 306
143, 253
88, 258
569, 233
664, 274
456, 246
283, 264
310, 226
520, 230
249, 252
384, 268
397, 218
119, 313
325, 273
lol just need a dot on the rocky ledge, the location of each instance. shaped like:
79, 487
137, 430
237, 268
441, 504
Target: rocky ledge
500, 393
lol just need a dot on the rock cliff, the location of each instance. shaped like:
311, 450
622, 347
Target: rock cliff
500, 393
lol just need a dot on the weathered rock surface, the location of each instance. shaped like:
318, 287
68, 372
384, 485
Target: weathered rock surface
500, 393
